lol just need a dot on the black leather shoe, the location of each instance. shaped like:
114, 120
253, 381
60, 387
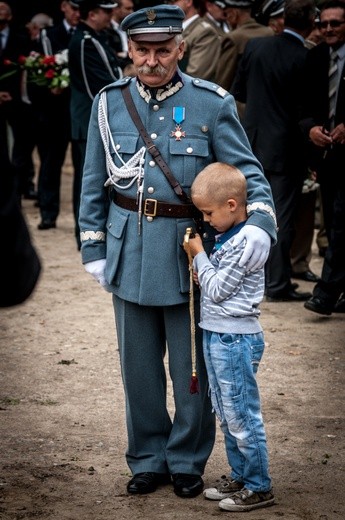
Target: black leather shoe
147, 482
308, 276
187, 486
47, 224
289, 296
318, 305
340, 305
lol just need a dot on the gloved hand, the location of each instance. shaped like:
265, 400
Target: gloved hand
96, 269
257, 248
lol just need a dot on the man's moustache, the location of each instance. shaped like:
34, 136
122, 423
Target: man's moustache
154, 71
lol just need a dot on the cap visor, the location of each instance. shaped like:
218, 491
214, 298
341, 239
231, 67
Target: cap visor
151, 37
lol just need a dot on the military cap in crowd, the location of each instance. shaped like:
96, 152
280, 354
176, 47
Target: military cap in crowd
89, 5
157, 24
240, 4
267, 9
220, 3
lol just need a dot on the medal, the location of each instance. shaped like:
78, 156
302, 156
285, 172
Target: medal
178, 117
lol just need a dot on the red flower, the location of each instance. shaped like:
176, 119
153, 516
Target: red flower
48, 60
7, 62
49, 74
22, 60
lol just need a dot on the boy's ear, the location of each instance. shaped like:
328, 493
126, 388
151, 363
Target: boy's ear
232, 203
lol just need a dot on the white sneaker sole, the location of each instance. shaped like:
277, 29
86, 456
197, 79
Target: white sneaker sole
237, 507
214, 494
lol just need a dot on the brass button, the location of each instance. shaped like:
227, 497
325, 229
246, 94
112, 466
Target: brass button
150, 189
189, 149
149, 219
155, 108
153, 136
152, 163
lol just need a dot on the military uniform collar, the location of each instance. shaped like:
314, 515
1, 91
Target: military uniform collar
160, 93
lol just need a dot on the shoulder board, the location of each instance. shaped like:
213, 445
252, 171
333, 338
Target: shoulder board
119, 83
213, 87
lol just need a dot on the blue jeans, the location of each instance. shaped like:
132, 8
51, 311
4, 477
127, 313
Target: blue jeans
232, 361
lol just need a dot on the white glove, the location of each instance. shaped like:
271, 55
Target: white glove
257, 248
96, 269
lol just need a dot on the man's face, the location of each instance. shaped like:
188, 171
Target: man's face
232, 16
217, 12
5, 14
155, 62
71, 13
333, 36
125, 8
100, 18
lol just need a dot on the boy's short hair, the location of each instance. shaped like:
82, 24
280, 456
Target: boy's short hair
220, 182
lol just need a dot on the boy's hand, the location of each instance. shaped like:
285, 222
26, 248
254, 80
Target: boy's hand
195, 245
195, 278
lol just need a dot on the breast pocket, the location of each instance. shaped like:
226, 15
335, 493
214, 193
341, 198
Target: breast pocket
189, 157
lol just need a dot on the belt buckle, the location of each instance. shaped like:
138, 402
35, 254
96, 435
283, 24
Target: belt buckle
153, 213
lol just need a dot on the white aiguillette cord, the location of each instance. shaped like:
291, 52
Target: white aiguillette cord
194, 387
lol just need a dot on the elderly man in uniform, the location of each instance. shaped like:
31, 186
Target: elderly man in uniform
133, 218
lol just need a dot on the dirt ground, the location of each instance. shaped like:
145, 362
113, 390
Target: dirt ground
62, 407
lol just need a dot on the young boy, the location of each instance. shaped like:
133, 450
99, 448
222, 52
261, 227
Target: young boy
233, 338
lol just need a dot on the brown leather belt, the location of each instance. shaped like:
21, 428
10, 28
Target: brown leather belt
156, 208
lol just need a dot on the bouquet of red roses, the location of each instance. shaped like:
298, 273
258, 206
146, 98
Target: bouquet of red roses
43, 70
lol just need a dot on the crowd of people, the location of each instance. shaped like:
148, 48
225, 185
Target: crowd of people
154, 96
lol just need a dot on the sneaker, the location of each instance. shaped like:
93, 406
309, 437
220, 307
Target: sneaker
223, 488
247, 500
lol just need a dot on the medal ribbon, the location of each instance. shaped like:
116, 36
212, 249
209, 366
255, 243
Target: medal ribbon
179, 114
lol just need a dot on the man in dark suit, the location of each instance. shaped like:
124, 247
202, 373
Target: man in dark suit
324, 125
269, 82
51, 108
93, 64
14, 112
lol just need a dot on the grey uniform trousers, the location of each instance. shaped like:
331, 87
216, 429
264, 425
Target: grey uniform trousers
162, 440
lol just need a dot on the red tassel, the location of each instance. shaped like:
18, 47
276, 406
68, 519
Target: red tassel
194, 387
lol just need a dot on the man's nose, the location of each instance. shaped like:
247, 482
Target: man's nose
152, 59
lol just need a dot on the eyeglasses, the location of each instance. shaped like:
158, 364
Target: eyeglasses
331, 23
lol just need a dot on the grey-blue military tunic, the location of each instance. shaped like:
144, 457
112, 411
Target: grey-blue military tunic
148, 272
157, 275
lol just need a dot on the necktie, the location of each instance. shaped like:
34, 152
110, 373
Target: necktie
332, 85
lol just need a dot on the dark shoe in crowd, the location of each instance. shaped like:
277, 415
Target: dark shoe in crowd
308, 276
31, 194
340, 305
289, 296
187, 486
47, 224
143, 483
319, 305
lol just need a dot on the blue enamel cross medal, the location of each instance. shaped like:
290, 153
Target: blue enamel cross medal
178, 117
